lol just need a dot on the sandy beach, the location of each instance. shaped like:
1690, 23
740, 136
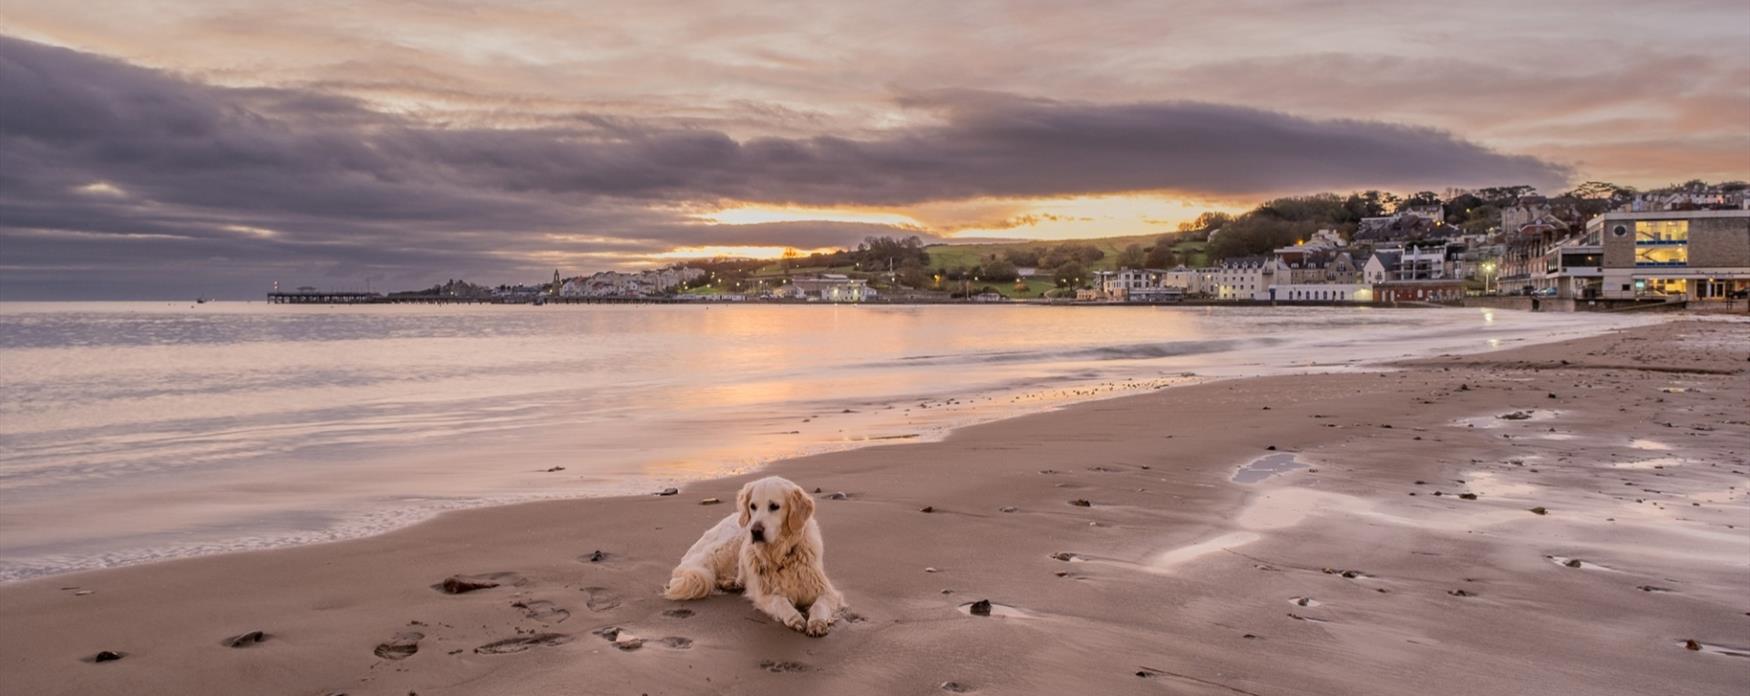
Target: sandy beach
1568, 518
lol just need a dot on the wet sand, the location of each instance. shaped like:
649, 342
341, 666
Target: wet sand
1420, 544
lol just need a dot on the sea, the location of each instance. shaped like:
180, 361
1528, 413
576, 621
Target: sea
138, 432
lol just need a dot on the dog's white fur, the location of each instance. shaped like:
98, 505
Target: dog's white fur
782, 575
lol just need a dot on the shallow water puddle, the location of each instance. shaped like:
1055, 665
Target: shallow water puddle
1266, 466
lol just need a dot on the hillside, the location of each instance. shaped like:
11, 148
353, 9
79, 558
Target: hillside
949, 263
945, 256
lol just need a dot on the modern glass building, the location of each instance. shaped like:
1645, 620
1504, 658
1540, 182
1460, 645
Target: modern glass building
1695, 254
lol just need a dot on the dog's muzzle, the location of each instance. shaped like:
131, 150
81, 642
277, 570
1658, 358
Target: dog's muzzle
758, 531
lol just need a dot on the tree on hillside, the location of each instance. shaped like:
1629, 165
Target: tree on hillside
1460, 207
1209, 220
1252, 234
1503, 196
997, 269
1022, 256
913, 274
1070, 275
1419, 199
1132, 257
1598, 189
1323, 208
1079, 252
881, 253
1161, 254
1368, 204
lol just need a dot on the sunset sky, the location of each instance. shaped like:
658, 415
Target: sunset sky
166, 149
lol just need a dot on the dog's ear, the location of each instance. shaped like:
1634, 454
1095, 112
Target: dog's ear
742, 500
800, 507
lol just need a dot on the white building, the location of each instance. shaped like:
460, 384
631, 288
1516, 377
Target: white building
834, 287
1117, 285
1382, 266
1158, 293
1191, 281
1322, 292
1246, 278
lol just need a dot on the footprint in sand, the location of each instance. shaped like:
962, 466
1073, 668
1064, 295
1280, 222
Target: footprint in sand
676, 643
542, 610
776, 666
678, 613
521, 643
402, 646
600, 599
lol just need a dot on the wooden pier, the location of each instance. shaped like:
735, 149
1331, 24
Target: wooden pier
349, 298
323, 297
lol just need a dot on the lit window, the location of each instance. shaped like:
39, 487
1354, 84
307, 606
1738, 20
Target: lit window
1662, 256
1661, 231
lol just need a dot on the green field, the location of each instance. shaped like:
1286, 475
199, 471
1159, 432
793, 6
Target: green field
969, 255
949, 256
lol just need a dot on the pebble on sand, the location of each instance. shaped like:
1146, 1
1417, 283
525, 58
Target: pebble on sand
710, 501
669, 491
1081, 502
980, 608
112, 656
1539, 510
457, 584
928, 508
245, 640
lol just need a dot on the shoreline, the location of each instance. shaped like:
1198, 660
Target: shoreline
946, 412
1078, 622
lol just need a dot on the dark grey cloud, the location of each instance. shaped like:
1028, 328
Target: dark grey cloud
132, 172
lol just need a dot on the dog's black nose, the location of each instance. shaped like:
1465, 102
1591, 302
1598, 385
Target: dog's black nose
759, 533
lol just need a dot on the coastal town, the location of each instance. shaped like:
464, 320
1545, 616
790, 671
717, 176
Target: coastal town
1599, 246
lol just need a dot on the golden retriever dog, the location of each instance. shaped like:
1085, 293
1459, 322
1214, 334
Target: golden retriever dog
769, 547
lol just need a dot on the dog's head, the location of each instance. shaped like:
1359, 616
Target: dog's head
774, 510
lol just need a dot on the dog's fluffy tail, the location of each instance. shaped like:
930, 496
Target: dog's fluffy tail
689, 582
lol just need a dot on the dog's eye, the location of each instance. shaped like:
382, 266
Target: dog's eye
753, 506
774, 507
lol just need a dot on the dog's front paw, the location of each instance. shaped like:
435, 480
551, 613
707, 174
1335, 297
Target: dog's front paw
818, 627
796, 622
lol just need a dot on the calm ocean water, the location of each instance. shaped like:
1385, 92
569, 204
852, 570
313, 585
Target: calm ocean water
138, 431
